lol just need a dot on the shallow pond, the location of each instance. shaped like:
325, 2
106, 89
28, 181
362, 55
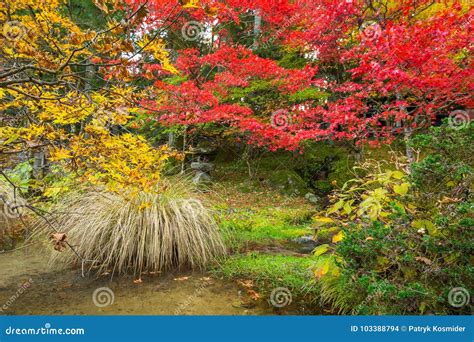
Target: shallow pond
29, 286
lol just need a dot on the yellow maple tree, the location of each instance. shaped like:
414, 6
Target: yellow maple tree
64, 90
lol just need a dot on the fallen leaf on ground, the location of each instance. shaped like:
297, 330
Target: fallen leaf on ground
425, 260
253, 294
245, 283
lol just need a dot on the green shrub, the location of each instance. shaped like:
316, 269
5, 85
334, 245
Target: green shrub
405, 243
448, 168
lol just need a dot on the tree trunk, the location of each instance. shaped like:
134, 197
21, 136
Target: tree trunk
171, 140
407, 133
256, 28
39, 164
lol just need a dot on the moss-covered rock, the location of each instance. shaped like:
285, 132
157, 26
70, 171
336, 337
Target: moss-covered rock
323, 164
288, 182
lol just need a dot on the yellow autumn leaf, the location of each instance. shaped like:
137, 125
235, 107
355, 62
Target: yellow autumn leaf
190, 4
401, 189
322, 220
323, 269
60, 154
338, 237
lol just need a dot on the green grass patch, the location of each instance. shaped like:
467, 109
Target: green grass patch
264, 226
272, 271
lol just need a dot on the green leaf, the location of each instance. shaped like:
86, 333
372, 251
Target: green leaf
419, 224
348, 208
425, 224
338, 205
398, 174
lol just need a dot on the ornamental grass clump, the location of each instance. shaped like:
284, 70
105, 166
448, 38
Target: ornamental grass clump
140, 232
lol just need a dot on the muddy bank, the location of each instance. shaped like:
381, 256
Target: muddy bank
29, 286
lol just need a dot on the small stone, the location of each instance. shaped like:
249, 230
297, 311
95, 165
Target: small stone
312, 198
307, 243
201, 177
205, 167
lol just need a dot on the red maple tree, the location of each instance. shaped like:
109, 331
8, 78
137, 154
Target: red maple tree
383, 70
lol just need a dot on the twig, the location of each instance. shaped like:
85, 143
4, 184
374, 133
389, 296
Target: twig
38, 213
18, 248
